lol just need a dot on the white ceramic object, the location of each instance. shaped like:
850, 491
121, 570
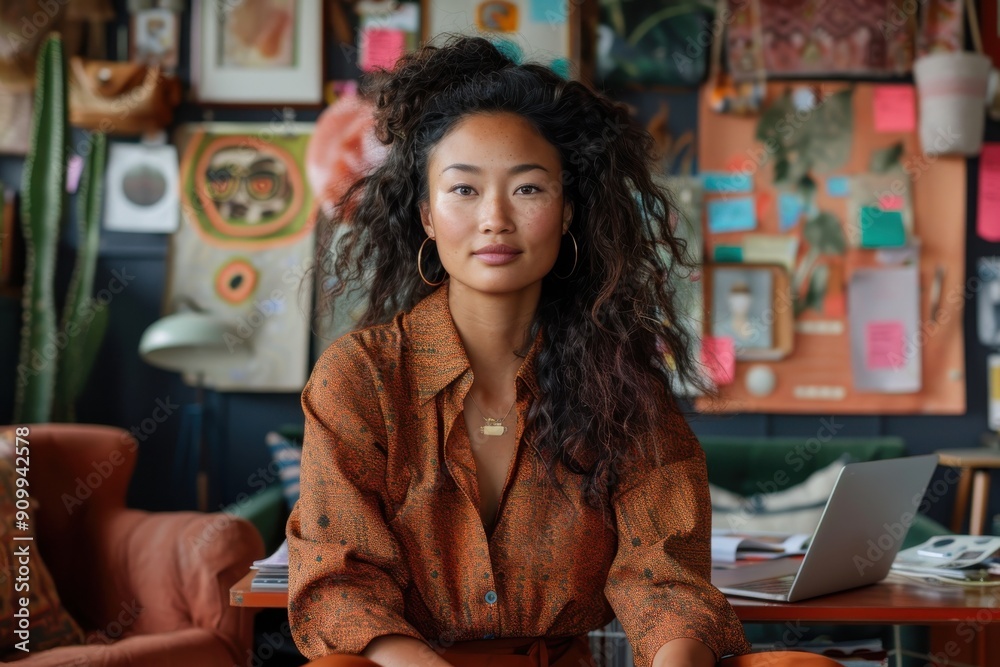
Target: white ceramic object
953, 92
761, 380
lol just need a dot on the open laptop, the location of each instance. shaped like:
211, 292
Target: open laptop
859, 533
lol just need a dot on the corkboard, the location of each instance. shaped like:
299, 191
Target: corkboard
824, 360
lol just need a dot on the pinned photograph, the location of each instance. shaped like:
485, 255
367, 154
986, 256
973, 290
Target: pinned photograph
155, 38
988, 301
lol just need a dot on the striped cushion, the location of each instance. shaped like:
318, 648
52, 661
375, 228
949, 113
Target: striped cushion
286, 455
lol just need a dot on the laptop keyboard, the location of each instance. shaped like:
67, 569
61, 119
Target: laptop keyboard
772, 585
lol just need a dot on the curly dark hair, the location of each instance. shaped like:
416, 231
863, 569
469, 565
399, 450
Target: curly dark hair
610, 351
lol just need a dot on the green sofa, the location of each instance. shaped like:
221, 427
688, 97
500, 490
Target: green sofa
753, 465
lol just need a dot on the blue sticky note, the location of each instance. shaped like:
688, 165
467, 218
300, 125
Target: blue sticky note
838, 186
790, 209
726, 182
881, 229
548, 11
728, 253
735, 214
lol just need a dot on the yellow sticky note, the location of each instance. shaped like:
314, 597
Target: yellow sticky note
770, 249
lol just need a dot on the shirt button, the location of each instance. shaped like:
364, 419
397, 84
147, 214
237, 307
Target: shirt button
491, 597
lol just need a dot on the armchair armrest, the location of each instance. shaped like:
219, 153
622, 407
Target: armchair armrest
168, 571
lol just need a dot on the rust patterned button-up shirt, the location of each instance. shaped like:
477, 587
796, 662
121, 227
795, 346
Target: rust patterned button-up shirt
387, 537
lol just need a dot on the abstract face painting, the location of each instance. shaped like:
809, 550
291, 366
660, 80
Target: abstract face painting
248, 191
247, 188
244, 247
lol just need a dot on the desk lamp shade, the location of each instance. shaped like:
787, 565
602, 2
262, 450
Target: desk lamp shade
192, 343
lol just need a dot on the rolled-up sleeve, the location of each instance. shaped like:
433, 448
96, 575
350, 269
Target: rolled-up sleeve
346, 569
659, 584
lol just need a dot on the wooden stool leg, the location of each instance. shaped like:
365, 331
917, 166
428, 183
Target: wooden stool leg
961, 500
980, 501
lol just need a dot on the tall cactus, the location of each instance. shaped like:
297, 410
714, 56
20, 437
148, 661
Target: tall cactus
83, 321
44, 193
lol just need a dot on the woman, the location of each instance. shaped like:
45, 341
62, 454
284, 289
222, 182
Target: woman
494, 464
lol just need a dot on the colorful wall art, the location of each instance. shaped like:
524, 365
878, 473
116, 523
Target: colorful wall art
869, 232
244, 246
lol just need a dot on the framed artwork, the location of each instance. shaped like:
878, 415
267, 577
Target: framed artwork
244, 247
652, 43
751, 304
155, 38
141, 193
257, 51
545, 31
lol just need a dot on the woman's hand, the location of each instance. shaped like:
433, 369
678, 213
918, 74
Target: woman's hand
684, 652
402, 651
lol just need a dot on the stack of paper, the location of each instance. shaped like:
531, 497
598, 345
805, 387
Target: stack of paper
960, 557
729, 546
272, 572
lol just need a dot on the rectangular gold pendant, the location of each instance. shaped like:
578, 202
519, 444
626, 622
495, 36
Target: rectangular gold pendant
493, 429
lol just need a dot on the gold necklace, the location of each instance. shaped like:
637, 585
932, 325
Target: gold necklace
493, 426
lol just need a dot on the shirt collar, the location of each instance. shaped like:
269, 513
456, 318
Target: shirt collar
437, 354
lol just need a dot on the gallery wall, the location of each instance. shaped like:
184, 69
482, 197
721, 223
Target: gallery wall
126, 392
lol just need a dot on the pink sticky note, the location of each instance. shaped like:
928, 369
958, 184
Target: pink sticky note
891, 202
718, 355
895, 109
381, 47
884, 345
988, 210
74, 169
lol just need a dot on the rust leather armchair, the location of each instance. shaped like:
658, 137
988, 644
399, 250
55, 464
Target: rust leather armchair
148, 589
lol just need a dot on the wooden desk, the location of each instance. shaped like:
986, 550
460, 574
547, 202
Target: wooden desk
894, 601
240, 595
958, 615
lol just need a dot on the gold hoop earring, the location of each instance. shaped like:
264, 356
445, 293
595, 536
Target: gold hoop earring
420, 262
576, 254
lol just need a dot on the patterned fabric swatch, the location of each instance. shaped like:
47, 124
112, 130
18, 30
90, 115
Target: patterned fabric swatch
820, 38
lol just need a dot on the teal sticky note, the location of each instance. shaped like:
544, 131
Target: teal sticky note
561, 67
726, 182
881, 229
838, 186
509, 48
548, 11
734, 214
790, 209
728, 253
